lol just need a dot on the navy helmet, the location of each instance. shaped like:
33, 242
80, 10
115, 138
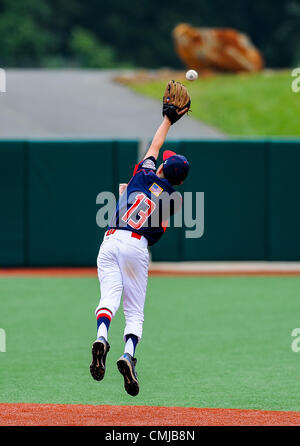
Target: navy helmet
175, 167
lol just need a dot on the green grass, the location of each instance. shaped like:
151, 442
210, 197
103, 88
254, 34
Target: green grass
247, 105
208, 342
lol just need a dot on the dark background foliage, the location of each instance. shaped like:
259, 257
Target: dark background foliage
103, 34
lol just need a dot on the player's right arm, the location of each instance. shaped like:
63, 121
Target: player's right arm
122, 187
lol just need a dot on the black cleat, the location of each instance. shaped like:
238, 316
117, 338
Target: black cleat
126, 365
99, 351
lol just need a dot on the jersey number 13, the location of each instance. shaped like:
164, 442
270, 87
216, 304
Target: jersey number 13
147, 207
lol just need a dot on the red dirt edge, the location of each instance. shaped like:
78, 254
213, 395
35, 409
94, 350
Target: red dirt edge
92, 272
24, 414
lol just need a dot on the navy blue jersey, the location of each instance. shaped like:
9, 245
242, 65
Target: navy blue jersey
145, 206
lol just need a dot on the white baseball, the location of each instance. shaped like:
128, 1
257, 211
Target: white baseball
191, 75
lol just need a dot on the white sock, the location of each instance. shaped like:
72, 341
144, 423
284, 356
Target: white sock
102, 331
129, 347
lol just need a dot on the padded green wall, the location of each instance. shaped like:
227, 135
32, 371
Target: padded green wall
48, 200
231, 174
12, 202
64, 181
48, 194
283, 236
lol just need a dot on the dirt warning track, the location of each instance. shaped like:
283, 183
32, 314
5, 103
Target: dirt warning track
23, 414
171, 269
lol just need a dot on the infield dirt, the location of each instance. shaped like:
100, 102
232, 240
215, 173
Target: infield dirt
89, 415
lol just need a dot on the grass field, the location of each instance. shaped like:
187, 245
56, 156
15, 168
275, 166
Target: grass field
208, 342
246, 105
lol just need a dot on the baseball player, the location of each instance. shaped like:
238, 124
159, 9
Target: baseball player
138, 222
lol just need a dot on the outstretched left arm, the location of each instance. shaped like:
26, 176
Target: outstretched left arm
161, 134
159, 138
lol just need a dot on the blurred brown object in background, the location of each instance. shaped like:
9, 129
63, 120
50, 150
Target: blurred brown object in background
216, 48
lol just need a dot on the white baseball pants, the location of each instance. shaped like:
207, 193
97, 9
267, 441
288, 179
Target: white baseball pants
123, 263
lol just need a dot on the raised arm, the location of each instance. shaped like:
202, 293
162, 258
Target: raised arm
176, 102
159, 138
161, 134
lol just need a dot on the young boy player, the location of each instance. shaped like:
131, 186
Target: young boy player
138, 223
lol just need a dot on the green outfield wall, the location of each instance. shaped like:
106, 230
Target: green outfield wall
48, 200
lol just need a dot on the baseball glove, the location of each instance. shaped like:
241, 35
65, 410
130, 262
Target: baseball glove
175, 100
